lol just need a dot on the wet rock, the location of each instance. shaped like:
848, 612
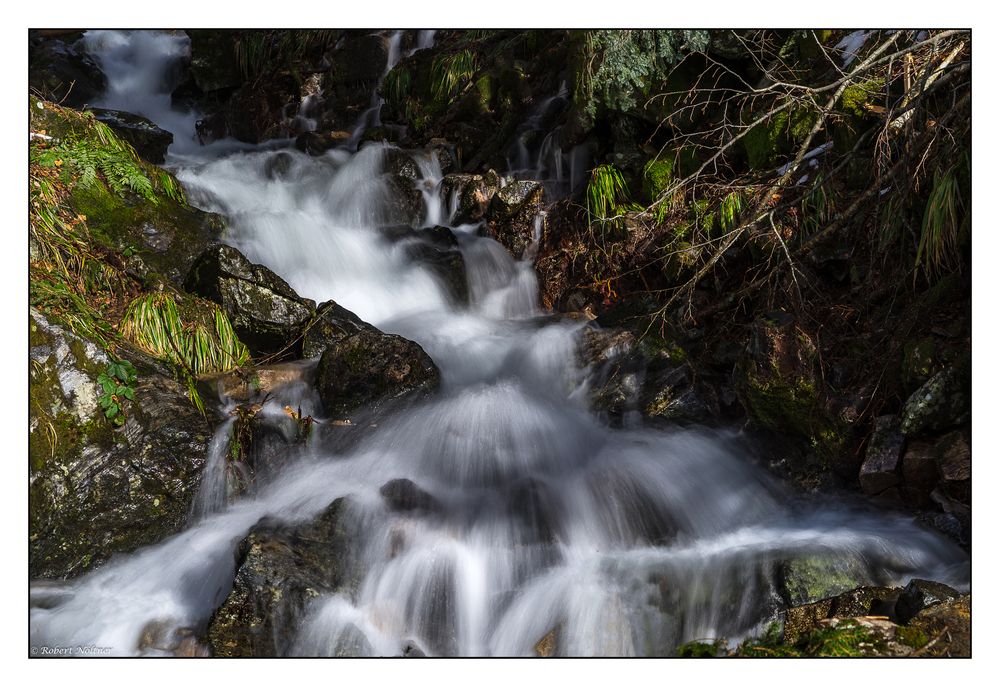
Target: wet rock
404, 495
921, 594
811, 578
547, 646
940, 403
317, 142
863, 601
241, 386
266, 313
62, 71
510, 215
779, 386
363, 367
955, 466
470, 194
881, 468
149, 140
445, 262
406, 202
670, 392
95, 490
279, 570
331, 324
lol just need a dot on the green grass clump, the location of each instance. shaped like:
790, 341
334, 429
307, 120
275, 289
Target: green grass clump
449, 73
946, 223
607, 194
153, 323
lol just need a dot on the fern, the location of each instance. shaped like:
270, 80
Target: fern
122, 171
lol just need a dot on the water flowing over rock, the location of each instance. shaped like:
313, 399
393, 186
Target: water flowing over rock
266, 313
96, 491
438, 482
279, 570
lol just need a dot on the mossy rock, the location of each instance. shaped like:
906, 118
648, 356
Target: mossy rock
166, 232
777, 136
93, 490
809, 579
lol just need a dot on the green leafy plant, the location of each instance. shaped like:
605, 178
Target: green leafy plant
152, 322
260, 50
117, 386
607, 194
450, 72
945, 223
106, 155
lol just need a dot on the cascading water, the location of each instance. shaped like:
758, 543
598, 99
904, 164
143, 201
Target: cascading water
623, 542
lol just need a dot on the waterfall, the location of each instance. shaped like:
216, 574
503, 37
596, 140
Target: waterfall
621, 541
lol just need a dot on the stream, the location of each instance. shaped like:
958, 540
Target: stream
624, 541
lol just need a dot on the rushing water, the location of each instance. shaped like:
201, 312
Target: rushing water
626, 542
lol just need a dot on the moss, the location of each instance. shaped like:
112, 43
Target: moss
911, 636
918, 361
656, 176
761, 143
846, 639
856, 96
809, 579
698, 650
484, 87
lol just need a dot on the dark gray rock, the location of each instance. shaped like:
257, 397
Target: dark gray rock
362, 367
404, 495
279, 569
921, 594
265, 311
471, 193
881, 468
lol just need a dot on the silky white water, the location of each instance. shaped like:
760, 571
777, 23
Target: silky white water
625, 542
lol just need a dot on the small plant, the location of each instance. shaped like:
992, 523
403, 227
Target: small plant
607, 194
449, 73
117, 386
945, 224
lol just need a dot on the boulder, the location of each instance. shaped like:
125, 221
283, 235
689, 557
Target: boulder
942, 402
95, 490
279, 569
149, 140
331, 324
946, 627
510, 215
61, 70
469, 194
918, 595
256, 111
366, 368
954, 457
881, 468
862, 601
810, 578
265, 311
404, 495
437, 250
401, 174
